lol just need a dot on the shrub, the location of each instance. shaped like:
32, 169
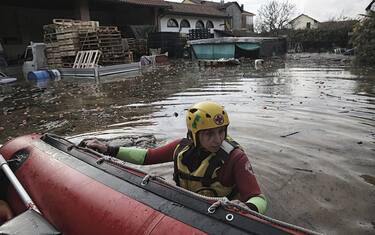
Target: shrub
364, 41
326, 37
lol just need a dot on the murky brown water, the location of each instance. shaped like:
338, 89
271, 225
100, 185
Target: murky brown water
307, 124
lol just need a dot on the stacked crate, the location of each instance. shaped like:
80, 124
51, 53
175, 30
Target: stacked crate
108, 40
195, 34
62, 40
110, 43
138, 47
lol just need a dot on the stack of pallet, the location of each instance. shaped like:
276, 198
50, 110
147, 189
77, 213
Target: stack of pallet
195, 34
138, 47
62, 40
108, 40
65, 37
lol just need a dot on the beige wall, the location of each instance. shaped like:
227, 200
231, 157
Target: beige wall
218, 23
302, 21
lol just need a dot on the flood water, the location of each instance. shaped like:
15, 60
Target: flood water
307, 123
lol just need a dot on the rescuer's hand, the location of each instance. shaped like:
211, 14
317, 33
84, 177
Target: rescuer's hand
249, 205
96, 145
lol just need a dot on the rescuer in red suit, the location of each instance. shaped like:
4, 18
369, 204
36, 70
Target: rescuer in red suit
207, 162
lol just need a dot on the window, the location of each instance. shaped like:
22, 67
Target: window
308, 25
29, 54
172, 23
209, 24
185, 24
199, 25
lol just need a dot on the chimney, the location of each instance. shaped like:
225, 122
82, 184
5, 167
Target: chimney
242, 7
222, 2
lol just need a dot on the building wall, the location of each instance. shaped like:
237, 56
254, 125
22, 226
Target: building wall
236, 15
218, 23
248, 22
301, 23
19, 26
123, 17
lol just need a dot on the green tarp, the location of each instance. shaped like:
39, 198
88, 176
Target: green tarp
224, 50
214, 51
248, 46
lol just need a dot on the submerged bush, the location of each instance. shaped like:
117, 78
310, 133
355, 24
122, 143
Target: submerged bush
364, 41
328, 36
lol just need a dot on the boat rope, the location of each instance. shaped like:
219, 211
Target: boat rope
224, 202
218, 203
146, 179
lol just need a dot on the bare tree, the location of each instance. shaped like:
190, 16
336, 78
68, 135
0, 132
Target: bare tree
274, 15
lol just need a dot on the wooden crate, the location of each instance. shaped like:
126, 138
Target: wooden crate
67, 35
68, 53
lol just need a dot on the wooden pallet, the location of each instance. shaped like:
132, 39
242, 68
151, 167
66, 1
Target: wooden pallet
108, 29
53, 55
68, 53
87, 59
70, 35
71, 22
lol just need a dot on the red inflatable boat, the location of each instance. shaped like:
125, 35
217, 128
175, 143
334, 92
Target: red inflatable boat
79, 191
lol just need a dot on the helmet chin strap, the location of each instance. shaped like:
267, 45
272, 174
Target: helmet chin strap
189, 135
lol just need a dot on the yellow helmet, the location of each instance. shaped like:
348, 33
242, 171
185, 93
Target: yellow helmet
205, 115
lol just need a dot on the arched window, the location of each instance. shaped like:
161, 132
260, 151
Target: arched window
172, 23
209, 24
185, 24
199, 25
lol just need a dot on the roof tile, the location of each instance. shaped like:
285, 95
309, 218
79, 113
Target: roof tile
195, 9
159, 3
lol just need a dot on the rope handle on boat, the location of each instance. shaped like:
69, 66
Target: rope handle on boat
146, 179
221, 202
149, 177
224, 202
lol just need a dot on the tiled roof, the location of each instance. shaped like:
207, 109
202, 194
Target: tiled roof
152, 3
221, 6
195, 9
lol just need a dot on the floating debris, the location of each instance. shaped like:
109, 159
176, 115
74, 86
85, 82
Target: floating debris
289, 134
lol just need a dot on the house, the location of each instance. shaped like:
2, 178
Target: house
371, 7
181, 17
247, 21
303, 22
240, 19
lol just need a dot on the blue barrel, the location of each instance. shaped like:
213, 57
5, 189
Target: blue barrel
39, 75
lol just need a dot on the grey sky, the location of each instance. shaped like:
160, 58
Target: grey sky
321, 10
